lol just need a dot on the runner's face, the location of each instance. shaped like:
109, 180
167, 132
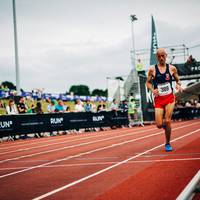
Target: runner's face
161, 57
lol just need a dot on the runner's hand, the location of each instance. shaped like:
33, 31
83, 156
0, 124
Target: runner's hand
155, 92
179, 88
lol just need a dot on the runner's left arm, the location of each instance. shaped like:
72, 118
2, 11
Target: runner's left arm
177, 79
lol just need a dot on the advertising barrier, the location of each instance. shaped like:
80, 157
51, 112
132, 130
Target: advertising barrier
34, 123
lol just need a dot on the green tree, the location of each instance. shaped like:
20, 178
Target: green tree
80, 90
99, 92
9, 85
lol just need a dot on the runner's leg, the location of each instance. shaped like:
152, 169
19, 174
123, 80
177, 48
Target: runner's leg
159, 117
168, 114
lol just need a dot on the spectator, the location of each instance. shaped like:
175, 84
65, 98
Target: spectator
22, 109
191, 61
78, 106
68, 109
130, 97
2, 107
21, 106
11, 108
179, 104
60, 107
88, 106
51, 109
31, 107
38, 110
188, 104
131, 112
93, 106
197, 104
114, 105
124, 105
140, 68
101, 106
2, 104
114, 108
51, 106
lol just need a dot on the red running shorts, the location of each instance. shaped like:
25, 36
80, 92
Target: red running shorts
162, 101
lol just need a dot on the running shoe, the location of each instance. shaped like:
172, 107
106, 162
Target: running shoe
168, 147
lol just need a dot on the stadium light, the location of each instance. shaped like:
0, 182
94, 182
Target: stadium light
133, 18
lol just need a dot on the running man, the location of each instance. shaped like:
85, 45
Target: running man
159, 81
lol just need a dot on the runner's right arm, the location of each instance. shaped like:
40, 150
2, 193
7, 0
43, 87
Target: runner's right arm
149, 81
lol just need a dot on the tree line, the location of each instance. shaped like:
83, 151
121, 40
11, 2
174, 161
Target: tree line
82, 90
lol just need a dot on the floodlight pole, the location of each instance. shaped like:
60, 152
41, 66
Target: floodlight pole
133, 18
16, 49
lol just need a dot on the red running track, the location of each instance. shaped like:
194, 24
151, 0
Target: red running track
116, 164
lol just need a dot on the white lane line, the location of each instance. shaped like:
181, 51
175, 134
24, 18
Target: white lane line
105, 163
47, 145
111, 157
81, 154
77, 155
107, 168
73, 146
176, 154
144, 156
47, 140
29, 143
54, 139
58, 149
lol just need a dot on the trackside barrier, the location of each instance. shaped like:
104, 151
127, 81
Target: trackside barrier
35, 123
190, 188
186, 113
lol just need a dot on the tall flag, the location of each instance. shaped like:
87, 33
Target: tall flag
154, 43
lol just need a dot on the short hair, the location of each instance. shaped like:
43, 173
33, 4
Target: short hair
161, 50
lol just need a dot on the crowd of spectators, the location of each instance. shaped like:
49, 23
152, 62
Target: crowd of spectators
188, 104
51, 106
186, 110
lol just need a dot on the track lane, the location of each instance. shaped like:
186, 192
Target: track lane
46, 173
78, 145
159, 181
40, 150
125, 168
74, 153
35, 141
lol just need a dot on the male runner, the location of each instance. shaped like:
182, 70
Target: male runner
159, 81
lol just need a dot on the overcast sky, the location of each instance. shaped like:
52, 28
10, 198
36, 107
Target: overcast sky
69, 42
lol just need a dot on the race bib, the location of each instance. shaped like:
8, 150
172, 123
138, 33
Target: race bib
164, 89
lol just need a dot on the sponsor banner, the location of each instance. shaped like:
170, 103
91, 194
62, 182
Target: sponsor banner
35, 123
154, 43
146, 100
185, 69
